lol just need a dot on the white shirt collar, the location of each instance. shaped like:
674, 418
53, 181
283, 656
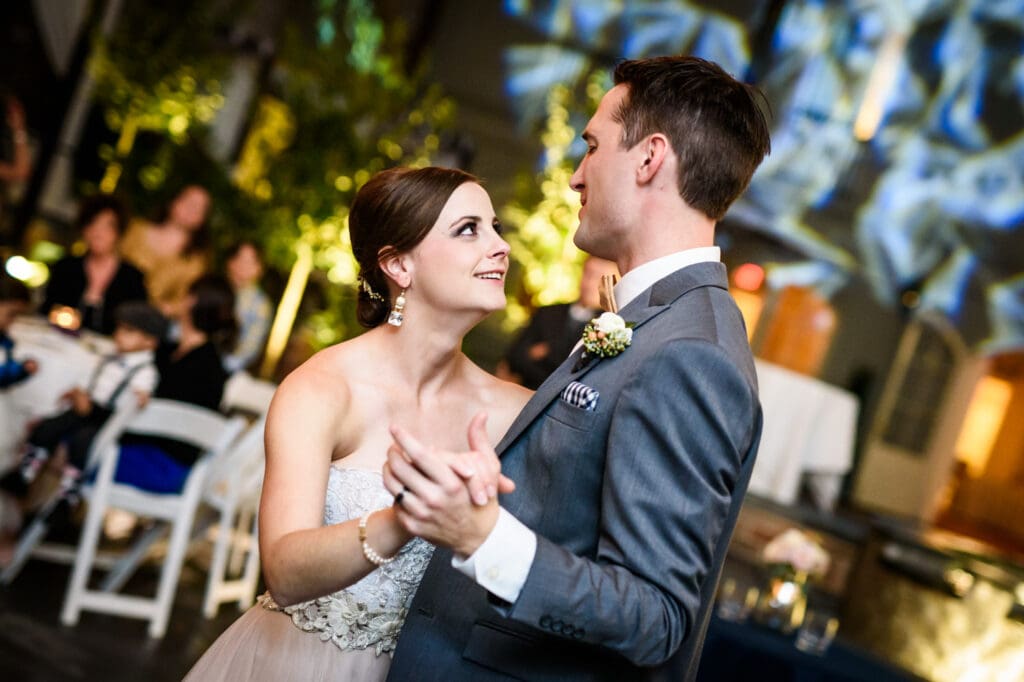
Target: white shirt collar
139, 357
634, 282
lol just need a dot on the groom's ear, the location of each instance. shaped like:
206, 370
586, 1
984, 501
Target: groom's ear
656, 152
396, 266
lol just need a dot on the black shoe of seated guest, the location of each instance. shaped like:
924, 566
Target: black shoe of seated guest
14, 483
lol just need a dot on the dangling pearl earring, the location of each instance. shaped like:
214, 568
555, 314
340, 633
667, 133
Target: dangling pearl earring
396, 318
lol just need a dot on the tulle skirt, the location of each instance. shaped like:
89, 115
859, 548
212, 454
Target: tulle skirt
265, 645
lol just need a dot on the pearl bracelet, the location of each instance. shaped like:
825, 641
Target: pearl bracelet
369, 552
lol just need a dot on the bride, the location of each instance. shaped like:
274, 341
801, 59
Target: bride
340, 569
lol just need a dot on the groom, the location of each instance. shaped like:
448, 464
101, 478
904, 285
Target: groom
603, 563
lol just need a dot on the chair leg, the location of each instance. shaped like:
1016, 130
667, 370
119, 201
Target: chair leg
170, 573
126, 565
218, 563
84, 559
252, 567
30, 539
238, 549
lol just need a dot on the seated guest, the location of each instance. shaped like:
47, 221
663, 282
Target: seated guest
252, 307
14, 300
127, 375
191, 371
98, 282
172, 251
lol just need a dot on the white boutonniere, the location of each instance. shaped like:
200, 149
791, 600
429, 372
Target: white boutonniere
607, 336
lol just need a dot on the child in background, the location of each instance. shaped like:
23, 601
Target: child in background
14, 300
128, 374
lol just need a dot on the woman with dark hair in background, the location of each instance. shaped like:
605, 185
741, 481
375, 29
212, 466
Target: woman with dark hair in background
191, 371
172, 252
97, 282
340, 570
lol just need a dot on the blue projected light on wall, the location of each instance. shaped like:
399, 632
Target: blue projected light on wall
898, 131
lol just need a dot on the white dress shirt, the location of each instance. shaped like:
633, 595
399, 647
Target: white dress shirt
502, 563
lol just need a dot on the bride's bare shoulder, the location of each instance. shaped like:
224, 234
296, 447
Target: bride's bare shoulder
324, 380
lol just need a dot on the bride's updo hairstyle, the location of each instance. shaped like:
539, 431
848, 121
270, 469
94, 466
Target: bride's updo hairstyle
391, 214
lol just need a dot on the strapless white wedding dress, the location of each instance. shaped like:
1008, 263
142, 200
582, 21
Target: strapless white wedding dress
348, 635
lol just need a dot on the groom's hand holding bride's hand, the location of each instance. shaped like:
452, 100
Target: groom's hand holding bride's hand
447, 498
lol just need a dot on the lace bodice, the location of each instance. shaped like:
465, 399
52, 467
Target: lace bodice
371, 612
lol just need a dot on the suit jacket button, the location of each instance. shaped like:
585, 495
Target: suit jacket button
557, 626
578, 633
545, 621
569, 630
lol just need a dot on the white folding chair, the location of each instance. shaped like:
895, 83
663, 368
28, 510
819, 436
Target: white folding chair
207, 430
233, 490
30, 543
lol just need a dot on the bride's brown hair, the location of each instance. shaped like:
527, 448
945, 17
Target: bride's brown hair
392, 213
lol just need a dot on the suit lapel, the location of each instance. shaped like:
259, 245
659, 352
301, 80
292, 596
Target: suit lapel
640, 311
547, 392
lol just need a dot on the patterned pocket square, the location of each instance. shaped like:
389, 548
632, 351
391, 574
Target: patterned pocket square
580, 395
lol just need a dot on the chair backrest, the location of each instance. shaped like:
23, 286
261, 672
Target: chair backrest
112, 430
197, 426
242, 464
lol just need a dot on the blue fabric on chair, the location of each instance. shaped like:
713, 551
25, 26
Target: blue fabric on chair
150, 468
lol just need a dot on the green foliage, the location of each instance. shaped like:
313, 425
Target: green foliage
544, 213
161, 69
354, 112
339, 108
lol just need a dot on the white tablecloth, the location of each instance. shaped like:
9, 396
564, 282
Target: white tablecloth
64, 361
808, 435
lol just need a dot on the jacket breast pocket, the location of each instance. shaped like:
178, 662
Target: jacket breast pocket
572, 416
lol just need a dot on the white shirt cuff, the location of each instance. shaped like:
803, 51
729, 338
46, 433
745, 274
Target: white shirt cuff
502, 563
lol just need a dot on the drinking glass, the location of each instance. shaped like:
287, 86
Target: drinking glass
816, 632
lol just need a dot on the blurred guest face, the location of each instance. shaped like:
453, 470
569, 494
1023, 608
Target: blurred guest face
245, 267
190, 207
101, 234
128, 339
593, 269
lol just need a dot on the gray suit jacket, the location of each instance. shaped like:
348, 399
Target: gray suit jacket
633, 505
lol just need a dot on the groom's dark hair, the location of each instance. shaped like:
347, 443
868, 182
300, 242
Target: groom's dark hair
392, 213
712, 121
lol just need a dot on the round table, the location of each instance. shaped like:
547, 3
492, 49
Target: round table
65, 361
